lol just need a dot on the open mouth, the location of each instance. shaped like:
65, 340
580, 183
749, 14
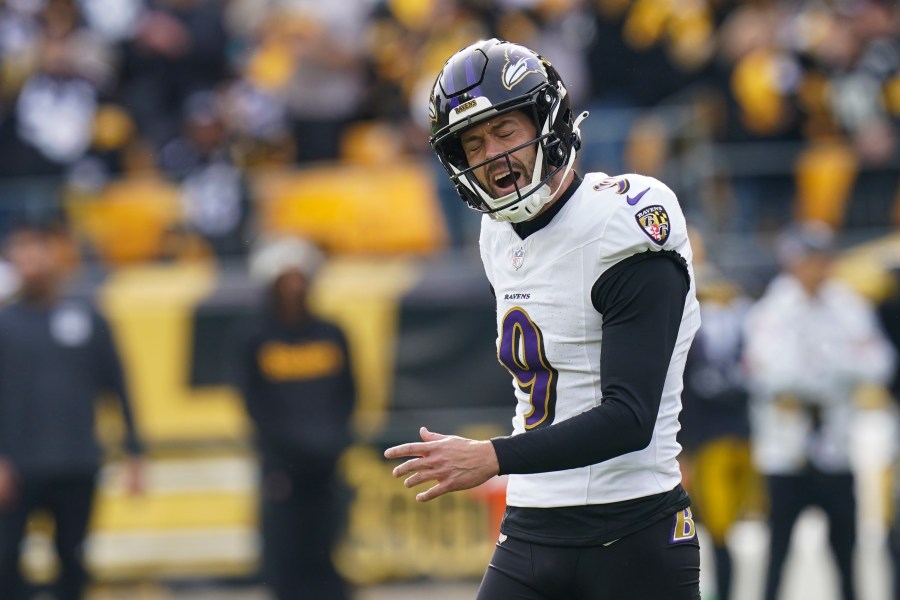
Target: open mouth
505, 181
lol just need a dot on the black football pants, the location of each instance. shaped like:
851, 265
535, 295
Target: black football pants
647, 565
789, 496
69, 499
301, 517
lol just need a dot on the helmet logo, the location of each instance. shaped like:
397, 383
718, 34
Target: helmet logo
465, 106
519, 63
432, 109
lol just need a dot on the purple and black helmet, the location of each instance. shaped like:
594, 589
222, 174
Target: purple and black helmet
489, 78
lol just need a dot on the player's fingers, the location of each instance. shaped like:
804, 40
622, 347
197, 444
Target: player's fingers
410, 466
433, 492
411, 449
430, 436
418, 478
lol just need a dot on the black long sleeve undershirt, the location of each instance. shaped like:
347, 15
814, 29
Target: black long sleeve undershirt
642, 301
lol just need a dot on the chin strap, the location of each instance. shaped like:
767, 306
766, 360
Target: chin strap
575, 126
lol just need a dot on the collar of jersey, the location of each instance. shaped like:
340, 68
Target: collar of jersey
526, 228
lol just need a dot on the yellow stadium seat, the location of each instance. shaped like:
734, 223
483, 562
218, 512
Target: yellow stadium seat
354, 208
370, 142
126, 222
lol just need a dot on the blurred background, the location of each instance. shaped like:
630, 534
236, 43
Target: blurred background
172, 136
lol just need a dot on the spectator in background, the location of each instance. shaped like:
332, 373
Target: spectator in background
715, 431
863, 105
213, 194
54, 74
59, 73
398, 88
810, 343
641, 55
759, 76
866, 105
257, 123
297, 383
177, 47
889, 316
310, 54
56, 355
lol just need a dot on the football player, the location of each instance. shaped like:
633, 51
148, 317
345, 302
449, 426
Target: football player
596, 311
811, 344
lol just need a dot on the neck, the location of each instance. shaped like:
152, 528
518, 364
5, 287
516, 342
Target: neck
293, 316
558, 193
811, 289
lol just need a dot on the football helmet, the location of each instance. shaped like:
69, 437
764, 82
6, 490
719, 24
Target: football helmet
489, 78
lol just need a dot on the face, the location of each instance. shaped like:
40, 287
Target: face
812, 271
291, 291
494, 137
35, 259
207, 133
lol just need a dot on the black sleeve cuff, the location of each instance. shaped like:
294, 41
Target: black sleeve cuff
505, 454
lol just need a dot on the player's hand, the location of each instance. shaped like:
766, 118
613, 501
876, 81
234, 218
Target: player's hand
134, 475
9, 485
454, 462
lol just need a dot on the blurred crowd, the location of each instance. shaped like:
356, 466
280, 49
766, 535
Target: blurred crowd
197, 95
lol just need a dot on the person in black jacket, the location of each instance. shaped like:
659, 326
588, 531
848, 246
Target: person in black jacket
297, 383
56, 355
716, 422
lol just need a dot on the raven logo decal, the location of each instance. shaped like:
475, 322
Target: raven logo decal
432, 109
520, 63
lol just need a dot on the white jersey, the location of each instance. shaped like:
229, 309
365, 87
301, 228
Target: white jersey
816, 351
550, 334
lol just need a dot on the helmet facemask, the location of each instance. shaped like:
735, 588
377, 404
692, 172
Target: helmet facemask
555, 143
491, 78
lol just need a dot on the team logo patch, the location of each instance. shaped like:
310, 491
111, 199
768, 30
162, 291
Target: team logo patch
683, 529
518, 258
519, 64
654, 220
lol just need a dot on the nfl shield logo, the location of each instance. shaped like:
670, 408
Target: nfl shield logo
518, 258
655, 222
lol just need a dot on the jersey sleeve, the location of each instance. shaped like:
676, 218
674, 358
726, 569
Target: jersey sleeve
648, 218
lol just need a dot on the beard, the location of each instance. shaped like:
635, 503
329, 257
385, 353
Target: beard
499, 166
